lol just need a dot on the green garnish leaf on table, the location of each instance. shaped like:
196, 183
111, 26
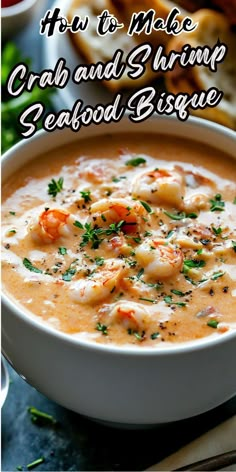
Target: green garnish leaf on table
169, 301
40, 416
35, 463
217, 204
102, 328
28, 265
85, 194
213, 324
62, 251
12, 107
146, 206
180, 215
136, 162
19, 467
55, 187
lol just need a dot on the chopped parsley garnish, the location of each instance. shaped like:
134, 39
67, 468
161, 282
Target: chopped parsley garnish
137, 240
190, 280
114, 228
180, 215
150, 300
213, 323
28, 265
178, 293
234, 245
170, 234
137, 335
118, 179
85, 194
146, 206
157, 286
54, 187
12, 213
69, 273
91, 235
38, 416
99, 261
169, 301
217, 204
13, 231
62, 251
102, 328
217, 275
155, 335
217, 231
147, 233
193, 264
35, 463
136, 162
78, 224
140, 274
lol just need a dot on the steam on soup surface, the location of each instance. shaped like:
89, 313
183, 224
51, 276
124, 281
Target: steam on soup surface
124, 239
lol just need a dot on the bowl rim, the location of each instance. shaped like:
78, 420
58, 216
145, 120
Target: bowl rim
21, 7
70, 339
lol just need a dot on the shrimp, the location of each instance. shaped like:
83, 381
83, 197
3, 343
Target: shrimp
51, 225
100, 285
160, 185
114, 210
196, 202
194, 180
159, 258
130, 315
194, 236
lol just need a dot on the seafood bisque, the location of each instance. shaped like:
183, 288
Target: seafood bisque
125, 240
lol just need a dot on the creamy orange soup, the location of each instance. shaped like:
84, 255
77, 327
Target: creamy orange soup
127, 239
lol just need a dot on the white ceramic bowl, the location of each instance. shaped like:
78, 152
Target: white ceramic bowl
138, 386
16, 17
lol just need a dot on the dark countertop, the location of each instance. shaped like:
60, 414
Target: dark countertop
76, 443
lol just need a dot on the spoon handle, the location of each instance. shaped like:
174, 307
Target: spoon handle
212, 463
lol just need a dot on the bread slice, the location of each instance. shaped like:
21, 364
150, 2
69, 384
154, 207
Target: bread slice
212, 26
95, 48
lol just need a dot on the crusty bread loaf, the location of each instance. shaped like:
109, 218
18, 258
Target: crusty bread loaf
95, 48
128, 7
212, 26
